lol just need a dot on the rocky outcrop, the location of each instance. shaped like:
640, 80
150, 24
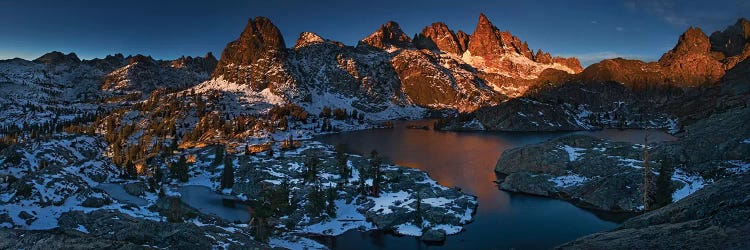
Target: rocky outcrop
713, 217
607, 175
388, 37
587, 171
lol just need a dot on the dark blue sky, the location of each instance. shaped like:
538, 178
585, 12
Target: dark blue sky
589, 29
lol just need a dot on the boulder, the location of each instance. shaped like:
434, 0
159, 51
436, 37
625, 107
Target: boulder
135, 188
434, 235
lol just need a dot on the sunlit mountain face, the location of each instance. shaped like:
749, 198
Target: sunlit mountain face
382, 125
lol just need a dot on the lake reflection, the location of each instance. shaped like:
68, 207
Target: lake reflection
467, 160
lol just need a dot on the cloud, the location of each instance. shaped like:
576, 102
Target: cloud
587, 59
718, 13
594, 22
618, 28
666, 9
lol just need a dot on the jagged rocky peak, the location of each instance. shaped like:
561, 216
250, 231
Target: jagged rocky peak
488, 41
388, 37
308, 38
438, 36
542, 57
463, 40
141, 59
733, 40
485, 41
503, 53
56, 57
692, 41
206, 63
259, 37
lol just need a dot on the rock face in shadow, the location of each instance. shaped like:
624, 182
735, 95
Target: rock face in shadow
389, 36
733, 42
714, 217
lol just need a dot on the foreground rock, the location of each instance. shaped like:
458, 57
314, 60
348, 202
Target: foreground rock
590, 172
712, 218
103, 229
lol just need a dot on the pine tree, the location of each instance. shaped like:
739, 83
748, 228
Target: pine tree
227, 175
158, 176
130, 170
375, 173
664, 188
316, 200
180, 169
331, 203
419, 210
342, 160
219, 155
175, 210
646, 175
311, 168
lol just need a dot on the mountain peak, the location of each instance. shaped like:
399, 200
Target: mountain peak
259, 38
438, 36
57, 57
388, 36
483, 20
209, 56
308, 38
693, 41
731, 41
141, 59
485, 41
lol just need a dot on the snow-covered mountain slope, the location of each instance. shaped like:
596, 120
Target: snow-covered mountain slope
144, 74
58, 88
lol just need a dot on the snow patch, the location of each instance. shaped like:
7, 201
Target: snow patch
573, 153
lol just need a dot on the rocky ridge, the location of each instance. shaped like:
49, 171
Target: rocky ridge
622, 93
386, 68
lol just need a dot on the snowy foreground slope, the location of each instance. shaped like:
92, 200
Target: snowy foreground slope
54, 177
